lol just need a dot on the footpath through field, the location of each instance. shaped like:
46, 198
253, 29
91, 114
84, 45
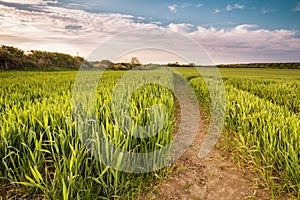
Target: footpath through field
213, 177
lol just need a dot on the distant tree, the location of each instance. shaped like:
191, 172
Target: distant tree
6, 59
294, 65
135, 61
176, 64
12, 58
106, 64
47, 60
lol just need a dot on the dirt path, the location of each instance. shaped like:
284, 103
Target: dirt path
214, 177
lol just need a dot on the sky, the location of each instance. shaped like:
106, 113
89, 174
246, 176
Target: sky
243, 31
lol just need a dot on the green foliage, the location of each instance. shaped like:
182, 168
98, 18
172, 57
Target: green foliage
14, 59
176, 64
292, 65
284, 93
262, 128
42, 155
48, 61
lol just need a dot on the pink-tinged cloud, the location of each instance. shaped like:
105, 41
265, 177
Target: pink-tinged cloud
33, 2
71, 31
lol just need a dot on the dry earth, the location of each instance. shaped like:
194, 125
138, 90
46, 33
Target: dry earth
214, 177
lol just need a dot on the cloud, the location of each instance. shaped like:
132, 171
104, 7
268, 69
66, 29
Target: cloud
216, 11
141, 18
181, 28
297, 8
249, 36
71, 31
61, 29
229, 8
156, 22
246, 43
264, 11
186, 5
73, 27
172, 8
33, 2
235, 6
199, 5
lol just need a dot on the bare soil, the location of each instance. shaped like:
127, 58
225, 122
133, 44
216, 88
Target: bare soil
214, 177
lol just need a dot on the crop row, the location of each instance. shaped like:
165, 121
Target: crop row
44, 152
284, 93
261, 133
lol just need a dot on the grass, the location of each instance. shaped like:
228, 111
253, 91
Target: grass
41, 146
256, 73
262, 126
44, 152
284, 74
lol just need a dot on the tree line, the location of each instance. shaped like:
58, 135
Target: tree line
12, 58
290, 65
